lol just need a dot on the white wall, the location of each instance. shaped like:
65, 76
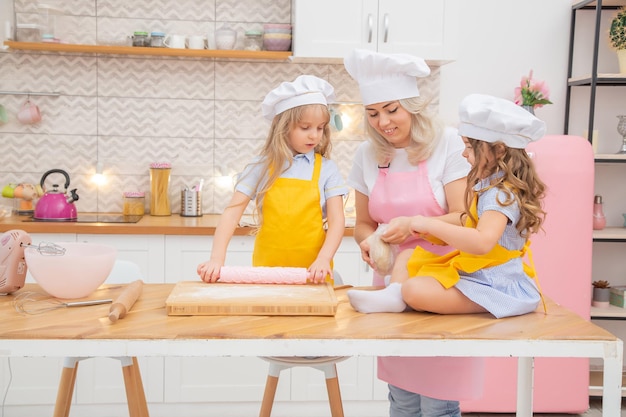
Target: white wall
500, 41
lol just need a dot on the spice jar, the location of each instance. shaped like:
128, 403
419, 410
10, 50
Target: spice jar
253, 40
159, 189
156, 39
140, 39
134, 203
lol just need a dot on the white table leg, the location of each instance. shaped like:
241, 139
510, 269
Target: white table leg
612, 382
525, 379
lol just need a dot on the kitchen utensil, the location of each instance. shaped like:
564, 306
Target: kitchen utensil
46, 248
36, 303
125, 301
263, 275
199, 298
225, 38
159, 189
4, 117
12, 263
196, 42
80, 271
56, 204
29, 113
190, 203
174, 41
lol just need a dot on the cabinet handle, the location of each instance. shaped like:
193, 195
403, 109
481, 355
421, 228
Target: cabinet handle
386, 25
370, 24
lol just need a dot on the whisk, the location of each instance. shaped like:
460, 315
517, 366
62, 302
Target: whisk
31, 302
46, 248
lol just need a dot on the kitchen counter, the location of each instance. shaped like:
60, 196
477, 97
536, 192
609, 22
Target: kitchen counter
148, 225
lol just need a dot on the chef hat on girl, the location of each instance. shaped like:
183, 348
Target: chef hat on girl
385, 77
306, 89
493, 119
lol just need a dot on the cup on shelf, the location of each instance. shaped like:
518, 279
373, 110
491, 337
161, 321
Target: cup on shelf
225, 38
175, 41
196, 42
29, 113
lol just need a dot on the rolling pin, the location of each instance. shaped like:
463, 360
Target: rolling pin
125, 300
263, 275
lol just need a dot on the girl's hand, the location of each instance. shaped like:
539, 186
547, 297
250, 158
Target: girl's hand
210, 271
398, 230
318, 271
365, 252
417, 225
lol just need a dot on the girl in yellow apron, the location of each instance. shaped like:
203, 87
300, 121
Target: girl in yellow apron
295, 186
503, 208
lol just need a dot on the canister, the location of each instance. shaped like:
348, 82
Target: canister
253, 40
134, 203
156, 39
140, 39
159, 189
190, 203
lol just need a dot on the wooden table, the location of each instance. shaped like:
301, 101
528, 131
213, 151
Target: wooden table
148, 331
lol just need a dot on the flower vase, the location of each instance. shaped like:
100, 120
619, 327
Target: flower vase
530, 109
601, 297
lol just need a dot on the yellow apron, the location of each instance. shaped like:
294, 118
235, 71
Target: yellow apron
445, 268
292, 232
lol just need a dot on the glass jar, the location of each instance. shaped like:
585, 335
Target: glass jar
134, 203
156, 39
159, 189
253, 40
140, 39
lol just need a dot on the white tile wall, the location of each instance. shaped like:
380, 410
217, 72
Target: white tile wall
202, 115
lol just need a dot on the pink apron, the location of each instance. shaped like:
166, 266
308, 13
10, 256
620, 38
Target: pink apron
446, 378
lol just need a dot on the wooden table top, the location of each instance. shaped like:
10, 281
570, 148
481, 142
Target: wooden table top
148, 320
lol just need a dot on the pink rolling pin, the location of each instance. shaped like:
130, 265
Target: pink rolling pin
263, 275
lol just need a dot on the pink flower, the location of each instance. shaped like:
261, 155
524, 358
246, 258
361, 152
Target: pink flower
532, 92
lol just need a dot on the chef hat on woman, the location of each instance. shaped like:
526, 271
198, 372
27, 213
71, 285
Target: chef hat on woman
385, 77
306, 89
493, 119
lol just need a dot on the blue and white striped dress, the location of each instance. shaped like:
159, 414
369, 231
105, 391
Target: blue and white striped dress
504, 290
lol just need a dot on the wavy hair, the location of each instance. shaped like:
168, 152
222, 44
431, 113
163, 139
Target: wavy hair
277, 151
519, 182
426, 129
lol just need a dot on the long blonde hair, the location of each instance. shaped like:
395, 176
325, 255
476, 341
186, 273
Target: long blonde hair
277, 151
426, 130
519, 182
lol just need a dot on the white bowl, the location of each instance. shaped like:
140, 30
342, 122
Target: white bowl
76, 273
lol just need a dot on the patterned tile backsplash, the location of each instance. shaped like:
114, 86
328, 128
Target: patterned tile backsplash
202, 115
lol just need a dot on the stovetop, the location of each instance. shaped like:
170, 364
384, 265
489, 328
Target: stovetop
94, 218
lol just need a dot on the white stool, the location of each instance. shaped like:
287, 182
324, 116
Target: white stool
123, 272
326, 364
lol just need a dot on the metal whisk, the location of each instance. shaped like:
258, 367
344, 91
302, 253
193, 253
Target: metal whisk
37, 303
46, 248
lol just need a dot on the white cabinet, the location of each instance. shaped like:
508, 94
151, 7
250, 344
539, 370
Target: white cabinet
348, 263
330, 29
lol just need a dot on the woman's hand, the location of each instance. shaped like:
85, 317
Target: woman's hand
210, 271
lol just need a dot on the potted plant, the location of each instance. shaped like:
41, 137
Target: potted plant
601, 293
617, 38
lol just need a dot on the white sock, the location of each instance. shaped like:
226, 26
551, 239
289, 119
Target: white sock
387, 300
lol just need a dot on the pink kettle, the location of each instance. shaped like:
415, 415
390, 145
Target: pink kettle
55, 204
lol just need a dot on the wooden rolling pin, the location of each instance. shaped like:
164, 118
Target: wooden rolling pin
125, 300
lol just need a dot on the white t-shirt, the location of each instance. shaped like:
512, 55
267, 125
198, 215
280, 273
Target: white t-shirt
445, 165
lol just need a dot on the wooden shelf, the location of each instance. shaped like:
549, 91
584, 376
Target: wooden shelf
602, 79
596, 383
135, 50
610, 157
611, 312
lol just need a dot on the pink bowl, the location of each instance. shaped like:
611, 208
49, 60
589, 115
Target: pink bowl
76, 273
273, 44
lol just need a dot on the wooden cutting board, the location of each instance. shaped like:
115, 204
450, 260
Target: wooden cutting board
192, 298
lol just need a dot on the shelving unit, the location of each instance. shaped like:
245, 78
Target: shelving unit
135, 50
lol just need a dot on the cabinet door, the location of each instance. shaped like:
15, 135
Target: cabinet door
424, 28
329, 28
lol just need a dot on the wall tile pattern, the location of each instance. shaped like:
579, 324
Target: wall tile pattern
202, 115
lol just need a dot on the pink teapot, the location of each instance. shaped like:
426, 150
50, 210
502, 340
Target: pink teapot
56, 204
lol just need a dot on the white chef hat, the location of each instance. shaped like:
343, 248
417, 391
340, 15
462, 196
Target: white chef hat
385, 77
493, 119
306, 89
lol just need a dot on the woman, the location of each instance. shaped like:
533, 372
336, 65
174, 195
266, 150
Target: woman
410, 165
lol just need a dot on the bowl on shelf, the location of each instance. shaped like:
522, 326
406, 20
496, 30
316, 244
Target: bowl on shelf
277, 28
276, 44
74, 273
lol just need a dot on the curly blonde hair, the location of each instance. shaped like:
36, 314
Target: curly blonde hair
426, 129
277, 151
519, 182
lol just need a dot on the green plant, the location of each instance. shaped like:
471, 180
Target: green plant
617, 32
601, 284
